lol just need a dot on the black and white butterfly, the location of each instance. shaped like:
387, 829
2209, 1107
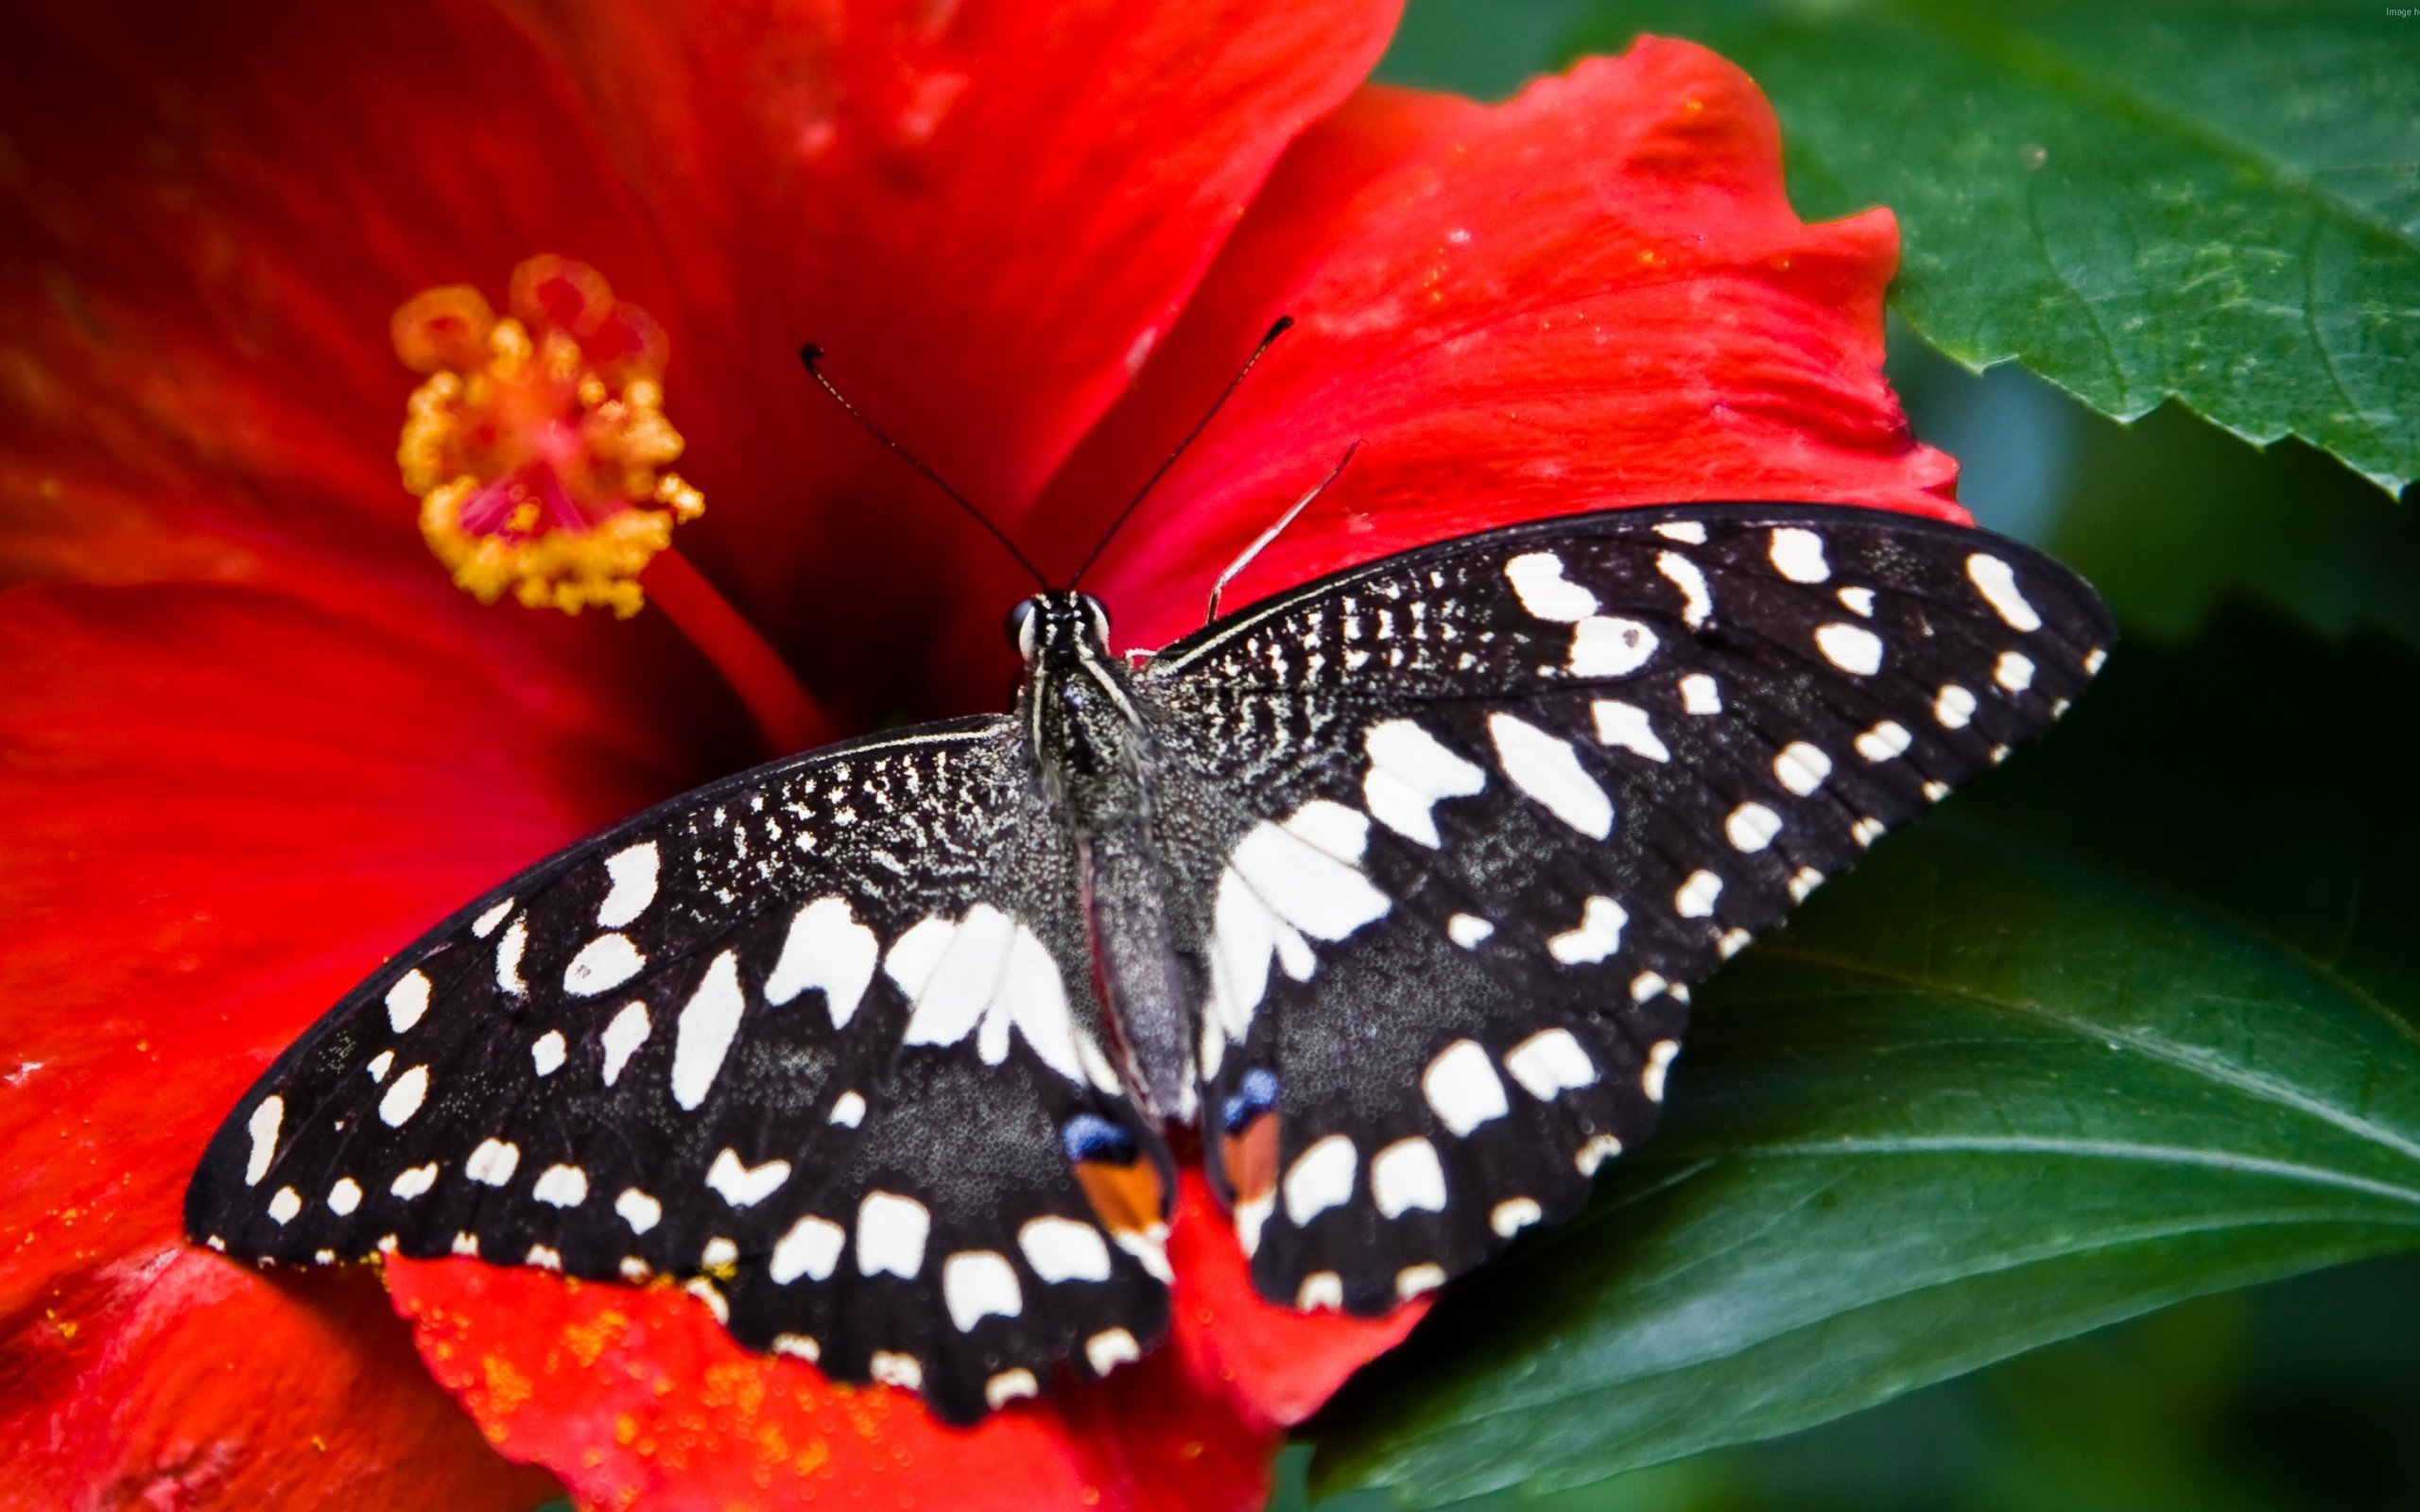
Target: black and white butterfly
1392, 887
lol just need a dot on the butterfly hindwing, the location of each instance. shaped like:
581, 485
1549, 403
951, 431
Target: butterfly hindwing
818, 1042
1491, 807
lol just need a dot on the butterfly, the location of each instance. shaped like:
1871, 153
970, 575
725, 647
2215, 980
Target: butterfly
1389, 890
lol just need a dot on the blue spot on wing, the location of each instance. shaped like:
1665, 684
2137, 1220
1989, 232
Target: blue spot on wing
1256, 1094
1091, 1136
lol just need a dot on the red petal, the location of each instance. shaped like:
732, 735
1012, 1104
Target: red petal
169, 1379
1277, 1366
1593, 294
636, 1396
218, 808
988, 222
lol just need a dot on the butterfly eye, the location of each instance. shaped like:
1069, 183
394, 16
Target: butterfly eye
1021, 629
1099, 617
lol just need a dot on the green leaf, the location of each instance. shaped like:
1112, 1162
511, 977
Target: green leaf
2032, 1069
2136, 199
2171, 516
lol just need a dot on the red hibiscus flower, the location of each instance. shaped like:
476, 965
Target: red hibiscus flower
251, 738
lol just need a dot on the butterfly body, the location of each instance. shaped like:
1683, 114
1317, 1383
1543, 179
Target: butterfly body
1391, 887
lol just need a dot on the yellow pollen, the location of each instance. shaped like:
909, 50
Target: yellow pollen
537, 442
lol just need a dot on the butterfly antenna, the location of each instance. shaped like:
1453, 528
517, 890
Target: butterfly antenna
1260, 543
1285, 323
810, 355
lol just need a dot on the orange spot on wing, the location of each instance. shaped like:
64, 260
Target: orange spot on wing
1128, 1198
1249, 1158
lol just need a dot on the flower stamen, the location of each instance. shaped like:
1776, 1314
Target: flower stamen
537, 444
539, 449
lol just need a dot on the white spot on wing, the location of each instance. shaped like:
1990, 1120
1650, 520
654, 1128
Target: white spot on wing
633, 875
561, 1186
485, 924
283, 1206
1596, 1153
1853, 648
344, 1197
1700, 695
1884, 741
414, 1182
1463, 1089
1281, 884
1537, 579
507, 958
622, 1038
1414, 1281
1688, 531
1513, 1215
1549, 1062
1008, 1387
407, 999
1468, 930
848, 1109
492, 1163
1751, 827
1695, 899
262, 1127
828, 951
979, 1283
2013, 671
1111, 1347
636, 1207
741, 1184
603, 964
1410, 770
1626, 725
1800, 767
811, 1247
403, 1096
1798, 555
1857, 601
895, 1370
381, 1063
1063, 1249
703, 1032
1597, 935
547, 1053
1320, 1178
1606, 646
1407, 1175
1548, 768
890, 1234
1659, 1065
1697, 605
1997, 581
1953, 706
985, 975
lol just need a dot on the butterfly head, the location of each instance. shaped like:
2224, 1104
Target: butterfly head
1059, 620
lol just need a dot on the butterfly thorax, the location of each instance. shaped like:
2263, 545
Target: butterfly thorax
1094, 745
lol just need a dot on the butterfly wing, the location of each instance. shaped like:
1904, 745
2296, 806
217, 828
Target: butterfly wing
814, 1039
1491, 806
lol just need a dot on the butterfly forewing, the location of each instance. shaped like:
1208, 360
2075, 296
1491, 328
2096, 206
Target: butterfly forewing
1491, 808
813, 1041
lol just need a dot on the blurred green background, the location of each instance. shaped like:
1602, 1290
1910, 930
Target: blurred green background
2299, 1395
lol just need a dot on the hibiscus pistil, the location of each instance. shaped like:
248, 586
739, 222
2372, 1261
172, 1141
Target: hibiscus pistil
537, 444
539, 448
